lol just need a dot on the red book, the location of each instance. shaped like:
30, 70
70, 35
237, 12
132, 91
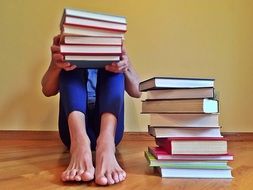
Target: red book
160, 154
90, 49
194, 146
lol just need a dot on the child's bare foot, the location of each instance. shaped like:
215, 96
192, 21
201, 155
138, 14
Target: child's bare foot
80, 167
108, 170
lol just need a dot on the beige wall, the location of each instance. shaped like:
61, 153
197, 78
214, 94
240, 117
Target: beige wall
186, 38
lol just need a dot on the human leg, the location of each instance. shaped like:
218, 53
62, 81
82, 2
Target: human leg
72, 126
110, 101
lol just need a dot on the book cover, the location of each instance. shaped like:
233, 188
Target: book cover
181, 93
94, 15
195, 173
175, 82
170, 132
90, 23
160, 154
180, 106
153, 162
185, 120
193, 146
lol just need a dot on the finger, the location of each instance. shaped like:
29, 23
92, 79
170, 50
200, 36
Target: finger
55, 49
57, 57
123, 68
63, 65
124, 57
121, 63
110, 68
56, 40
70, 68
124, 50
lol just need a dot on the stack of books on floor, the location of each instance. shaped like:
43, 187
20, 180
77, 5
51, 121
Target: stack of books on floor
184, 120
91, 40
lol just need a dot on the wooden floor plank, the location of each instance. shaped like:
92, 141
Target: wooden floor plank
37, 164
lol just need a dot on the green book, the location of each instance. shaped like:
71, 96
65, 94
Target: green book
153, 162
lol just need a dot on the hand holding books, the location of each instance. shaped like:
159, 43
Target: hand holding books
57, 58
121, 66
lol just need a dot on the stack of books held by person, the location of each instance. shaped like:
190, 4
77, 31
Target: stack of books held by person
184, 120
91, 40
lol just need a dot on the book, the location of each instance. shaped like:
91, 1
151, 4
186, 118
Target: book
160, 154
90, 64
180, 93
153, 162
93, 15
195, 173
86, 22
91, 40
85, 31
90, 50
168, 132
175, 82
110, 58
180, 106
185, 120
193, 146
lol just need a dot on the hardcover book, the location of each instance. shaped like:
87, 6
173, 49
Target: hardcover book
174, 82
193, 146
180, 106
185, 120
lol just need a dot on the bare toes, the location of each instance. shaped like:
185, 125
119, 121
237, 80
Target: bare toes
87, 176
115, 177
101, 180
72, 174
78, 175
109, 178
64, 175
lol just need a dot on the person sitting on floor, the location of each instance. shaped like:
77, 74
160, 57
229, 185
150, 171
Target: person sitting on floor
91, 114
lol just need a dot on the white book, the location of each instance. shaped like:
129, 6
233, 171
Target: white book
87, 49
69, 29
195, 173
92, 40
94, 15
180, 106
163, 132
180, 93
175, 82
91, 58
186, 120
95, 23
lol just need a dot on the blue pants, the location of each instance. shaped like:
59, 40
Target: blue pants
74, 97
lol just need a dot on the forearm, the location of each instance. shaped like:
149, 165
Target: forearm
50, 81
132, 81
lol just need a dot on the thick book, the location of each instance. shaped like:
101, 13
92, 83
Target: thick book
85, 31
193, 145
90, 49
180, 106
91, 40
89, 61
170, 132
90, 23
185, 120
175, 82
181, 93
202, 164
90, 64
160, 154
195, 173
94, 15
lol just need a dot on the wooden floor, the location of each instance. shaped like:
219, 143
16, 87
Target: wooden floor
36, 163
